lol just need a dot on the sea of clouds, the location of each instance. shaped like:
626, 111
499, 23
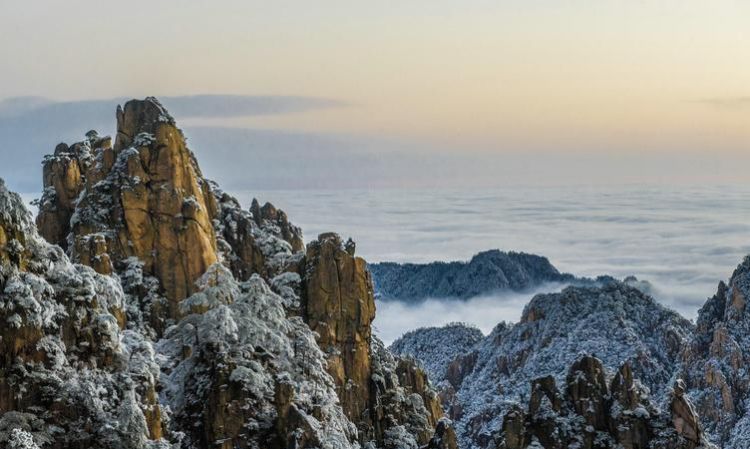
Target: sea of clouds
683, 239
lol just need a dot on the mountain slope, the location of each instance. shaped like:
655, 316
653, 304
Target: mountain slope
437, 347
615, 322
202, 324
715, 364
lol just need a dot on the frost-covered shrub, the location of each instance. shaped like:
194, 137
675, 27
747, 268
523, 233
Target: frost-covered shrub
436, 347
255, 345
398, 437
20, 439
216, 287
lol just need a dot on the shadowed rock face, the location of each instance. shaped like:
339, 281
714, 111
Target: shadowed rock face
591, 413
717, 357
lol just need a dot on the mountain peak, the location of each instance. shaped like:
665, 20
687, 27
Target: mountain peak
186, 320
140, 116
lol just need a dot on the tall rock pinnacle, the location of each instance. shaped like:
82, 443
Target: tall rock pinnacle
248, 338
145, 198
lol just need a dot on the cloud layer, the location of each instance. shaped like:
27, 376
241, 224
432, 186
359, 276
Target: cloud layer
394, 318
683, 239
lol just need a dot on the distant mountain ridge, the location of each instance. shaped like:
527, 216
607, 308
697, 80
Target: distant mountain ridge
488, 271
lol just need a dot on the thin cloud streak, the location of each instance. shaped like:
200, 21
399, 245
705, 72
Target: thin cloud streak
727, 103
184, 106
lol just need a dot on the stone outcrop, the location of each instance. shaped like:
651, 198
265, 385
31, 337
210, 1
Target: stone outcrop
592, 413
717, 358
339, 306
684, 418
189, 322
143, 198
377, 391
251, 243
287, 231
403, 410
145, 202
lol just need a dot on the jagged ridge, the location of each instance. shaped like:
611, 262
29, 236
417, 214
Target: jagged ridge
616, 322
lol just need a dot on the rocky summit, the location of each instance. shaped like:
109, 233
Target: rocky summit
147, 309
715, 363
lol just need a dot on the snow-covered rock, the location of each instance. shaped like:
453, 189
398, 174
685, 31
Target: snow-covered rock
615, 322
436, 347
70, 374
189, 322
716, 364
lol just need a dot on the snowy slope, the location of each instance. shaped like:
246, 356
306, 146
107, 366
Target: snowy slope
437, 347
615, 322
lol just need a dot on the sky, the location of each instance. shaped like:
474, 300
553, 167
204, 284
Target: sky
419, 93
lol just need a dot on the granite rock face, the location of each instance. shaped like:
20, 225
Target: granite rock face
340, 307
144, 198
188, 321
377, 391
716, 360
71, 375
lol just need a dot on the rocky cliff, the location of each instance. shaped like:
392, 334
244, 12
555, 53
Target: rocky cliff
615, 322
72, 375
715, 363
188, 321
143, 199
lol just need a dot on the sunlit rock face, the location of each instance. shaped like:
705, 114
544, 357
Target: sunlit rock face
376, 390
340, 307
143, 198
188, 322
